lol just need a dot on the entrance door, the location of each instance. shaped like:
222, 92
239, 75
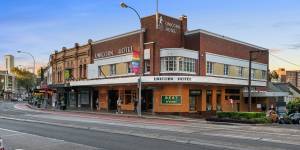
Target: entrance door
147, 100
112, 99
95, 100
194, 99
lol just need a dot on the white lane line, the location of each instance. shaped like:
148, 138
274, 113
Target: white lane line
57, 141
253, 138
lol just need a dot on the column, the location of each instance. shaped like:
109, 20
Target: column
203, 100
214, 98
223, 103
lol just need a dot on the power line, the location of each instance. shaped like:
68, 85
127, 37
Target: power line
285, 60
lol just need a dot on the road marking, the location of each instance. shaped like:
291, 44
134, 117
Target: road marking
57, 141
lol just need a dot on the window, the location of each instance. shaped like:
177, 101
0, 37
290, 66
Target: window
252, 73
179, 64
240, 71
147, 66
129, 67
84, 70
112, 69
263, 74
209, 67
100, 71
226, 69
80, 71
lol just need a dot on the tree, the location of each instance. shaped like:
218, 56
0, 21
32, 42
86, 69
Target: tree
294, 105
274, 75
24, 78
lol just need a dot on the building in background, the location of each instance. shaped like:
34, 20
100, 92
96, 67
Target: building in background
70, 64
7, 85
293, 77
9, 62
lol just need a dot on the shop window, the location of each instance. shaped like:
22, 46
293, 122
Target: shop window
208, 100
147, 66
209, 67
219, 99
113, 69
226, 69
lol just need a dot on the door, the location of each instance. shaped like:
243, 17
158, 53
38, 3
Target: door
112, 99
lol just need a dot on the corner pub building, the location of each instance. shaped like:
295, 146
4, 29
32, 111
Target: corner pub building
184, 72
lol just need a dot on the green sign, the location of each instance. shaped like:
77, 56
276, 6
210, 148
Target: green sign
171, 100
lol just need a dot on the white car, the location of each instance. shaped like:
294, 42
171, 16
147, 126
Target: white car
1, 144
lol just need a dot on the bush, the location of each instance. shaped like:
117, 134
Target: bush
294, 106
241, 115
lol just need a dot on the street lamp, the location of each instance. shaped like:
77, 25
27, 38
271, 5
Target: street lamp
139, 111
32, 59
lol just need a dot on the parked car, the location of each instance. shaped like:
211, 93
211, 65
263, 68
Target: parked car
295, 118
283, 118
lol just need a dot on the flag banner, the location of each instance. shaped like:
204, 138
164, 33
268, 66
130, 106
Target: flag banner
136, 56
135, 66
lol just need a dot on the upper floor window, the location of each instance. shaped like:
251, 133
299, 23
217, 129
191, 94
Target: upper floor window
226, 69
240, 71
100, 71
253, 73
113, 70
129, 67
209, 67
264, 74
147, 66
180, 64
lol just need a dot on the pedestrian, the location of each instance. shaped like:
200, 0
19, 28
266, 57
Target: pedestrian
119, 103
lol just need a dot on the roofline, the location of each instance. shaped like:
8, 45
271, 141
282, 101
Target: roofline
119, 36
223, 37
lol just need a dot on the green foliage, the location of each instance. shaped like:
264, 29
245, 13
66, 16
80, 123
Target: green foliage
240, 115
294, 105
261, 120
24, 78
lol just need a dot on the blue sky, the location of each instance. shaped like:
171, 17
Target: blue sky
42, 26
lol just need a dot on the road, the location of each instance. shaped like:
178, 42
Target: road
23, 128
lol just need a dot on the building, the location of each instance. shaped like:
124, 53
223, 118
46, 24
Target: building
9, 62
7, 85
66, 66
182, 71
293, 77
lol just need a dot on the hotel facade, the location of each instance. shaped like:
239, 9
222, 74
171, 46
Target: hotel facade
182, 71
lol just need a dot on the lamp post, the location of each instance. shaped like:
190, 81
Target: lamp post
139, 106
32, 59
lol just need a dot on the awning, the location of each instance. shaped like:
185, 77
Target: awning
266, 94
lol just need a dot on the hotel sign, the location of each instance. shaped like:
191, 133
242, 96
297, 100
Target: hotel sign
120, 51
167, 25
171, 100
161, 78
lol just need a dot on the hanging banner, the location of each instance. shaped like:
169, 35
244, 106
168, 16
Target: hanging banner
135, 62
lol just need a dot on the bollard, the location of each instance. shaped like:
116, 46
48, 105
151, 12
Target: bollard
1, 144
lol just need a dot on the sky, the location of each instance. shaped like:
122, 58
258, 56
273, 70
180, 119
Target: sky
43, 26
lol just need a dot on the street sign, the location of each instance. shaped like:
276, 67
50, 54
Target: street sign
171, 100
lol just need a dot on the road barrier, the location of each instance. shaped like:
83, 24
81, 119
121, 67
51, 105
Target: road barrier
1, 144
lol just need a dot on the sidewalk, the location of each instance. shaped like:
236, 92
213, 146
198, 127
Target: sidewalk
128, 115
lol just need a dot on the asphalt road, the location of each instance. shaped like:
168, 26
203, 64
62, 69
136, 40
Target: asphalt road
96, 139
34, 130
